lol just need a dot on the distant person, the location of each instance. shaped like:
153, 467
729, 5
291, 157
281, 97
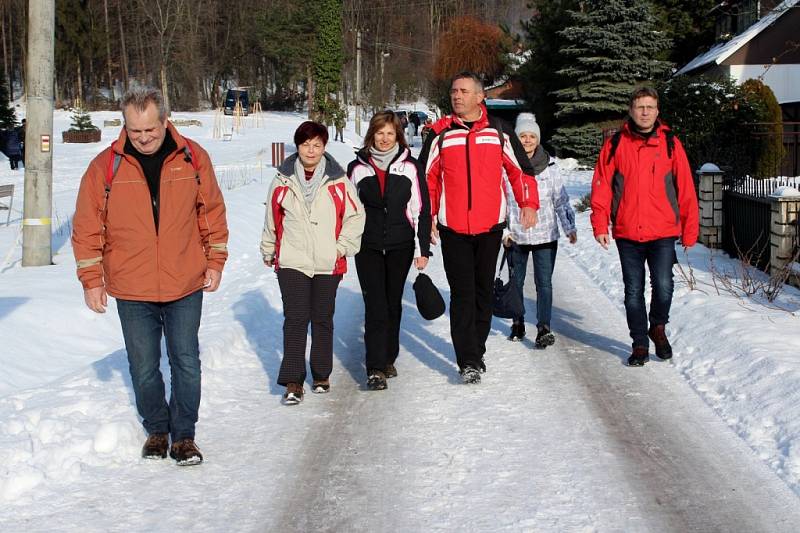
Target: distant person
339, 123
644, 187
13, 148
152, 233
541, 242
415, 121
22, 129
397, 232
467, 159
313, 222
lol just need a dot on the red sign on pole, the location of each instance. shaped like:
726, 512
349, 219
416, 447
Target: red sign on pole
277, 154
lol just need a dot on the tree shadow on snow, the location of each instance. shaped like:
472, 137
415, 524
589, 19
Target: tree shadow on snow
8, 304
263, 325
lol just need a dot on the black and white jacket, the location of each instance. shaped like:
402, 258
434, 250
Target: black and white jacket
402, 214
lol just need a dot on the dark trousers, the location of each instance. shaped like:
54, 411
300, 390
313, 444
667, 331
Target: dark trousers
307, 300
469, 262
660, 256
14, 160
382, 276
143, 324
544, 260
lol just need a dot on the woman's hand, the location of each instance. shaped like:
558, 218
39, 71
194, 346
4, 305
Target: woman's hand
269, 262
508, 241
573, 237
420, 262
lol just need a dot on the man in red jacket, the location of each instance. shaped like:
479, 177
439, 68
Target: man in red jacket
644, 187
466, 161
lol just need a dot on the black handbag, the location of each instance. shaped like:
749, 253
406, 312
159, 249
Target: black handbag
507, 301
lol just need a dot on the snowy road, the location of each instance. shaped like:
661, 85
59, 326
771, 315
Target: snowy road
559, 440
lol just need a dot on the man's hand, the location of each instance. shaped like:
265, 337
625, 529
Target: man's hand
420, 262
573, 237
96, 299
213, 277
528, 217
603, 240
434, 234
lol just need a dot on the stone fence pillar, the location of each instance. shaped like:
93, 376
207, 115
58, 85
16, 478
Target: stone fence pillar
783, 238
709, 178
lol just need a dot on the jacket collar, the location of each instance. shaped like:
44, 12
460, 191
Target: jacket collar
333, 170
450, 121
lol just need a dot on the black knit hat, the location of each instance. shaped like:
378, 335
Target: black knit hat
429, 302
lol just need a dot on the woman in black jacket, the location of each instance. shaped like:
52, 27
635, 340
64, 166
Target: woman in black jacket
392, 188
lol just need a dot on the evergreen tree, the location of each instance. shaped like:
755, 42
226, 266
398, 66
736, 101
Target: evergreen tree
689, 26
540, 72
328, 58
611, 46
8, 118
81, 120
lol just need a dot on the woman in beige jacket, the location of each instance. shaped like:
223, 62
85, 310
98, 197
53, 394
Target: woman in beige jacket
314, 221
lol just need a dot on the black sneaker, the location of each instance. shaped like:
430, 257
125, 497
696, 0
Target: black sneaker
186, 452
544, 337
156, 446
658, 335
639, 356
293, 394
390, 371
376, 380
471, 375
517, 331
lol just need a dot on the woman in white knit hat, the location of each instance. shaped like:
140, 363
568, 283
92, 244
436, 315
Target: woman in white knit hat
541, 241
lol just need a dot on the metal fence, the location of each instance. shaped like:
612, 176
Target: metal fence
746, 217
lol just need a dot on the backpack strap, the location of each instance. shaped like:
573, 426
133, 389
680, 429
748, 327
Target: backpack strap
614, 144
670, 142
114, 159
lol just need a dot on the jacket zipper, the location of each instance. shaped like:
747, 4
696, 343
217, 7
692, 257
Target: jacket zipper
469, 175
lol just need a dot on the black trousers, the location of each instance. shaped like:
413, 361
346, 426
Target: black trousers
382, 276
469, 262
307, 299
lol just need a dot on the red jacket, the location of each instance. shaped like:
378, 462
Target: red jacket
465, 178
644, 191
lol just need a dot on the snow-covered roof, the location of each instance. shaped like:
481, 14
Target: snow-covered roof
723, 51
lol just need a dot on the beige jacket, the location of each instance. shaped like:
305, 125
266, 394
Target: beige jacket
315, 239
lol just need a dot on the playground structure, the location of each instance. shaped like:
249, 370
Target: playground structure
224, 128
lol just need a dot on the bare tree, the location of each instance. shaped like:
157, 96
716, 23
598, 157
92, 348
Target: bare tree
165, 16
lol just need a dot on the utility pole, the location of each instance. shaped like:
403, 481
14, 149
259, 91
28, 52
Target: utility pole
37, 205
358, 82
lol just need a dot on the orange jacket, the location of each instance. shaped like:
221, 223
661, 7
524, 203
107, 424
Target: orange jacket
116, 245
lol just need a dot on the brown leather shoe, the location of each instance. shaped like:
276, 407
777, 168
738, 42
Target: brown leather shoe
658, 335
186, 452
390, 371
639, 356
294, 394
156, 446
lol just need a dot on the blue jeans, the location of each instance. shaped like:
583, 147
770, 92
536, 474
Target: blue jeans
660, 256
544, 260
142, 326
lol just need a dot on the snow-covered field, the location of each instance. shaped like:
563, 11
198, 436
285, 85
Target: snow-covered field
70, 437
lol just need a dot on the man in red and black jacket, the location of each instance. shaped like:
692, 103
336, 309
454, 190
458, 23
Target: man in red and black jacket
466, 161
644, 187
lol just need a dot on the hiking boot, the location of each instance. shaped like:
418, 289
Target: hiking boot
321, 386
470, 375
186, 452
658, 335
293, 394
156, 446
390, 371
517, 331
544, 337
376, 380
639, 356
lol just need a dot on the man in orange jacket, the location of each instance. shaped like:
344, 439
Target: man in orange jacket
644, 187
150, 230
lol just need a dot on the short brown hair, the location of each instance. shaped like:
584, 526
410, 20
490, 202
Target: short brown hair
642, 92
310, 130
378, 121
468, 75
